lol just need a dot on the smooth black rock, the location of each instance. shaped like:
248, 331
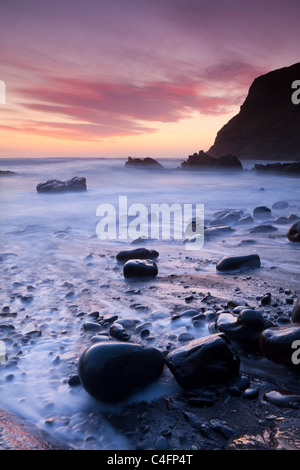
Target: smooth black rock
90, 326
238, 263
57, 186
202, 361
276, 345
282, 398
138, 253
74, 380
136, 268
296, 311
262, 212
112, 372
294, 232
244, 328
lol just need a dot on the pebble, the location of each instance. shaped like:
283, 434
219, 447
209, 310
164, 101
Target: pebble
251, 393
161, 443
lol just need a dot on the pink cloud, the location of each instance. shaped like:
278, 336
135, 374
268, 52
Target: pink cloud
100, 109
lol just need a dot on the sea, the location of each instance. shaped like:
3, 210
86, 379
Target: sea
54, 266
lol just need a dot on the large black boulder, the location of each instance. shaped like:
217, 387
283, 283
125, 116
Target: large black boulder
204, 361
112, 372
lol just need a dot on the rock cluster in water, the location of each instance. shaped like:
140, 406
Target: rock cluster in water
204, 161
291, 168
56, 186
143, 163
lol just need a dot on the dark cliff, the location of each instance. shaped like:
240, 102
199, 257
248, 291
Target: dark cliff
268, 124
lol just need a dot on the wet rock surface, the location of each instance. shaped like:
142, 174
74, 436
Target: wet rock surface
277, 344
238, 263
19, 434
135, 268
202, 361
111, 372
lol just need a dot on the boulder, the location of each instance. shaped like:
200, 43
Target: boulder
204, 361
57, 186
138, 253
136, 268
112, 372
276, 344
238, 263
293, 233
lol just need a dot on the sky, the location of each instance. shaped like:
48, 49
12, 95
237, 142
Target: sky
118, 78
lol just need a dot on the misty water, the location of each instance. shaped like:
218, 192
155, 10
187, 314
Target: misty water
54, 267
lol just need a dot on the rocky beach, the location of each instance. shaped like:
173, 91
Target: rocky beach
178, 350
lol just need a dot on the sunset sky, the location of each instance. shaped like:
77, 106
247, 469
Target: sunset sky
113, 78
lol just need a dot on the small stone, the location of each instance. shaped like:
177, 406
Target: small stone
251, 393
161, 443
91, 326
293, 233
74, 380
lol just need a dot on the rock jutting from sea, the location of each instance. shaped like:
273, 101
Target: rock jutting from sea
56, 186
